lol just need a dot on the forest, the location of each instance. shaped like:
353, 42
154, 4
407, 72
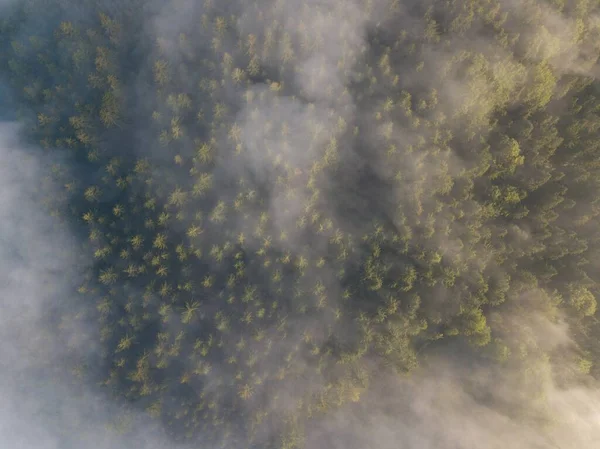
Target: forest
320, 223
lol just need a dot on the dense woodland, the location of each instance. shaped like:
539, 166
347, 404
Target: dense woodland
282, 200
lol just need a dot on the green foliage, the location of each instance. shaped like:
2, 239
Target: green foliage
582, 300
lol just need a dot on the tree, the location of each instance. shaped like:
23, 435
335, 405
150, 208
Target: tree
582, 300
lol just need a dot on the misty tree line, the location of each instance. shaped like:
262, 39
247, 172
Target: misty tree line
278, 209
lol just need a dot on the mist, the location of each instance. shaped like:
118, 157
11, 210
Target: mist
289, 224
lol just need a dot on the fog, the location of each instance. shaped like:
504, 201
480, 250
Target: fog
311, 139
